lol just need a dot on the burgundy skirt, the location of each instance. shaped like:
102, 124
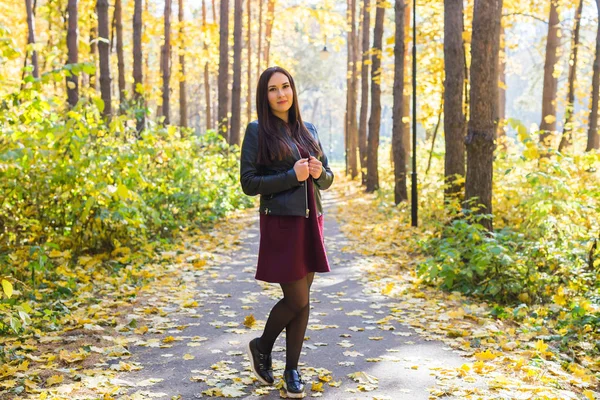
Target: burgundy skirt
291, 246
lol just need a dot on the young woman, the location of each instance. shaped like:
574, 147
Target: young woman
282, 159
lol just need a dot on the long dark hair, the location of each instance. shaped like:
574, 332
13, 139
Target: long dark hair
272, 143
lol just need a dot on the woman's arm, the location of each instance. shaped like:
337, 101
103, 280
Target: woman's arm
252, 183
326, 178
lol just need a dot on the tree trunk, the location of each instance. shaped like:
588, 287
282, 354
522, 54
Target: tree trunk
593, 141
407, 82
269, 29
206, 74
249, 70
103, 51
166, 64
352, 134
454, 117
236, 92
138, 75
31, 36
73, 56
375, 117
399, 155
93, 56
120, 55
548, 123
364, 92
223, 68
567, 135
259, 41
481, 132
183, 112
502, 91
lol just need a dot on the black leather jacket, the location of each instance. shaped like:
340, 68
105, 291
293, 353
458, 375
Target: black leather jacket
280, 191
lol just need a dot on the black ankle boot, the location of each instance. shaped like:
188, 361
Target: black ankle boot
260, 363
293, 384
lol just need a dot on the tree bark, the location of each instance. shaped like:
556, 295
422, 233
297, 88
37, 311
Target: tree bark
269, 29
593, 141
236, 92
548, 122
249, 70
138, 75
94, 56
166, 64
481, 132
259, 41
454, 117
103, 51
352, 130
502, 91
31, 36
223, 68
364, 93
407, 82
183, 111
73, 56
399, 155
375, 117
567, 135
120, 55
206, 74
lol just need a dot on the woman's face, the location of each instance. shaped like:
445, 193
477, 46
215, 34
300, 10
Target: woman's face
280, 94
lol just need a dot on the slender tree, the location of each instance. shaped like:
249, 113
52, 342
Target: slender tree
206, 74
400, 192
548, 123
481, 131
31, 36
502, 90
407, 81
223, 68
593, 141
73, 56
454, 118
103, 51
269, 29
166, 63
364, 91
375, 117
567, 135
138, 74
249, 69
351, 98
120, 54
259, 41
236, 92
93, 53
183, 111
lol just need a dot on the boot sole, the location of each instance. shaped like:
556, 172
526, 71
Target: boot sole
292, 395
253, 367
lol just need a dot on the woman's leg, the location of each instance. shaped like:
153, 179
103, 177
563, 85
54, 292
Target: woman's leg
295, 330
295, 300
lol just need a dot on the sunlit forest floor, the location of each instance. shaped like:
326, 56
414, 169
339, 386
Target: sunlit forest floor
376, 330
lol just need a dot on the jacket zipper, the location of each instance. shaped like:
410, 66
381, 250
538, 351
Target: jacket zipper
305, 187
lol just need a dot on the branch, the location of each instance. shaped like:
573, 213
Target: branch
525, 15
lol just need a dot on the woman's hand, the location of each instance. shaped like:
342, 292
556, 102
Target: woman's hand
301, 169
315, 167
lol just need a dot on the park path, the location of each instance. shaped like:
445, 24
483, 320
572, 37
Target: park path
198, 350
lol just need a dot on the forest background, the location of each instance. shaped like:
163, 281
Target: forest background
121, 125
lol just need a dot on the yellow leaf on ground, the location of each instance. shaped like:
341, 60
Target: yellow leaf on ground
54, 379
485, 355
188, 357
249, 321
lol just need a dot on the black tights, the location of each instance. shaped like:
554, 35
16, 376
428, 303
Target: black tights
290, 313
